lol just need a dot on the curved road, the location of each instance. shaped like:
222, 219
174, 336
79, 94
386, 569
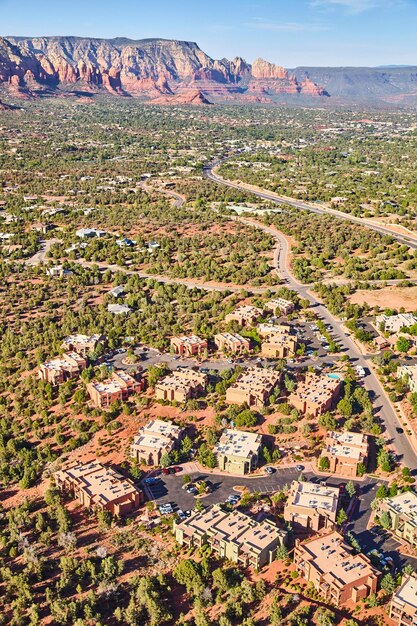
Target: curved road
208, 172
383, 407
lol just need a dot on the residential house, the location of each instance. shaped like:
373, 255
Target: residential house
119, 387
346, 452
409, 374
97, 486
338, 575
232, 535
253, 387
119, 309
394, 323
238, 451
310, 505
154, 440
181, 385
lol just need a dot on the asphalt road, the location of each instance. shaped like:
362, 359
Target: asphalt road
382, 406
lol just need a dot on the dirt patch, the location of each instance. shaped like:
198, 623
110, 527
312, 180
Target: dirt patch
392, 296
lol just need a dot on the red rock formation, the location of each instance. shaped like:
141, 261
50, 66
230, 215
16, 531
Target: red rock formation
264, 69
194, 97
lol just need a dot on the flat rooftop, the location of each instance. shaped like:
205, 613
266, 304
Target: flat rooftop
192, 340
238, 443
81, 339
404, 504
99, 481
232, 338
407, 593
313, 496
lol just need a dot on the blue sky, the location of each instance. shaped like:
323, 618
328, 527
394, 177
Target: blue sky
287, 32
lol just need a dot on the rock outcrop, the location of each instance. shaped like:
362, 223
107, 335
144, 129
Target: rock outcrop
193, 97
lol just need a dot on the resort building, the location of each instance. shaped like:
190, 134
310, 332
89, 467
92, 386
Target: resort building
244, 316
97, 486
238, 451
279, 347
403, 607
394, 323
409, 374
402, 510
181, 385
345, 452
311, 506
253, 387
119, 387
316, 395
58, 370
270, 330
337, 574
82, 344
279, 305
189, 346
154, 440
234, 536
235, 344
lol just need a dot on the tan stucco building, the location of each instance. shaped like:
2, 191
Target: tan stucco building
234, 344
57, 371
245, 316
83, 344
316, 395
403, 607
279, 347
181, 385
253, 387
402, 509
154, 440
238, 451
312, 506
189, 345
345, 452
119, 387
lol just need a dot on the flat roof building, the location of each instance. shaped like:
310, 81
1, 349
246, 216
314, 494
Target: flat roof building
235, 344
345, 451
280, 304
316, 395
97, 486
181, 385
232, 535
189, 345
409, 374
82, 343
269, 330
403, 607
394, 323
310, 505
245, 315
238, 451
279, 347
402, 510
58, 370
154, 440
253, 387
119, 387
337, 574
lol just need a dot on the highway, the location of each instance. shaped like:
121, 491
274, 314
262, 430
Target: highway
208, 172
382, 405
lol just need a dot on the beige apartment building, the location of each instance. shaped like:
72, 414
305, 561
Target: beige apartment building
58, 370
97, 486
269, 330
279, 305
234, 344
245, 316
403, 607
82, 344
279, 347
189, 346
181, 385
394, 323
311, 506
233, 536
154, 440
316, 395
119, 387
337, 574
409, 374
238, 451
403, 512
253, 387
345, 451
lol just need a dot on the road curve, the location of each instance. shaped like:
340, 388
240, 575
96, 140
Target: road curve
208, 172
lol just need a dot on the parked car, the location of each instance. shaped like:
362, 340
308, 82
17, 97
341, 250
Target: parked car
177, 469
299, 468
171, 470
269, 470
165, 471
181, 515
151, 480
166, 509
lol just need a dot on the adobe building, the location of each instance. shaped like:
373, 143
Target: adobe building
311, 506
154, 440
345, 452
189, 346
238, 451
394, 323
232, 535
97, 486
409, 374
245, 316
402, 510
269, 330
279, 347
234, 344
338, 575
403, 607
253, 387
58, 370
285, 307
119, 387
316, 395
181, 385
82, 344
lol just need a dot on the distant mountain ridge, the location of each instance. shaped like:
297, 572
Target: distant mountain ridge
165, 71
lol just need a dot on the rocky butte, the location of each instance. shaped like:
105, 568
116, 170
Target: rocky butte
179, 72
